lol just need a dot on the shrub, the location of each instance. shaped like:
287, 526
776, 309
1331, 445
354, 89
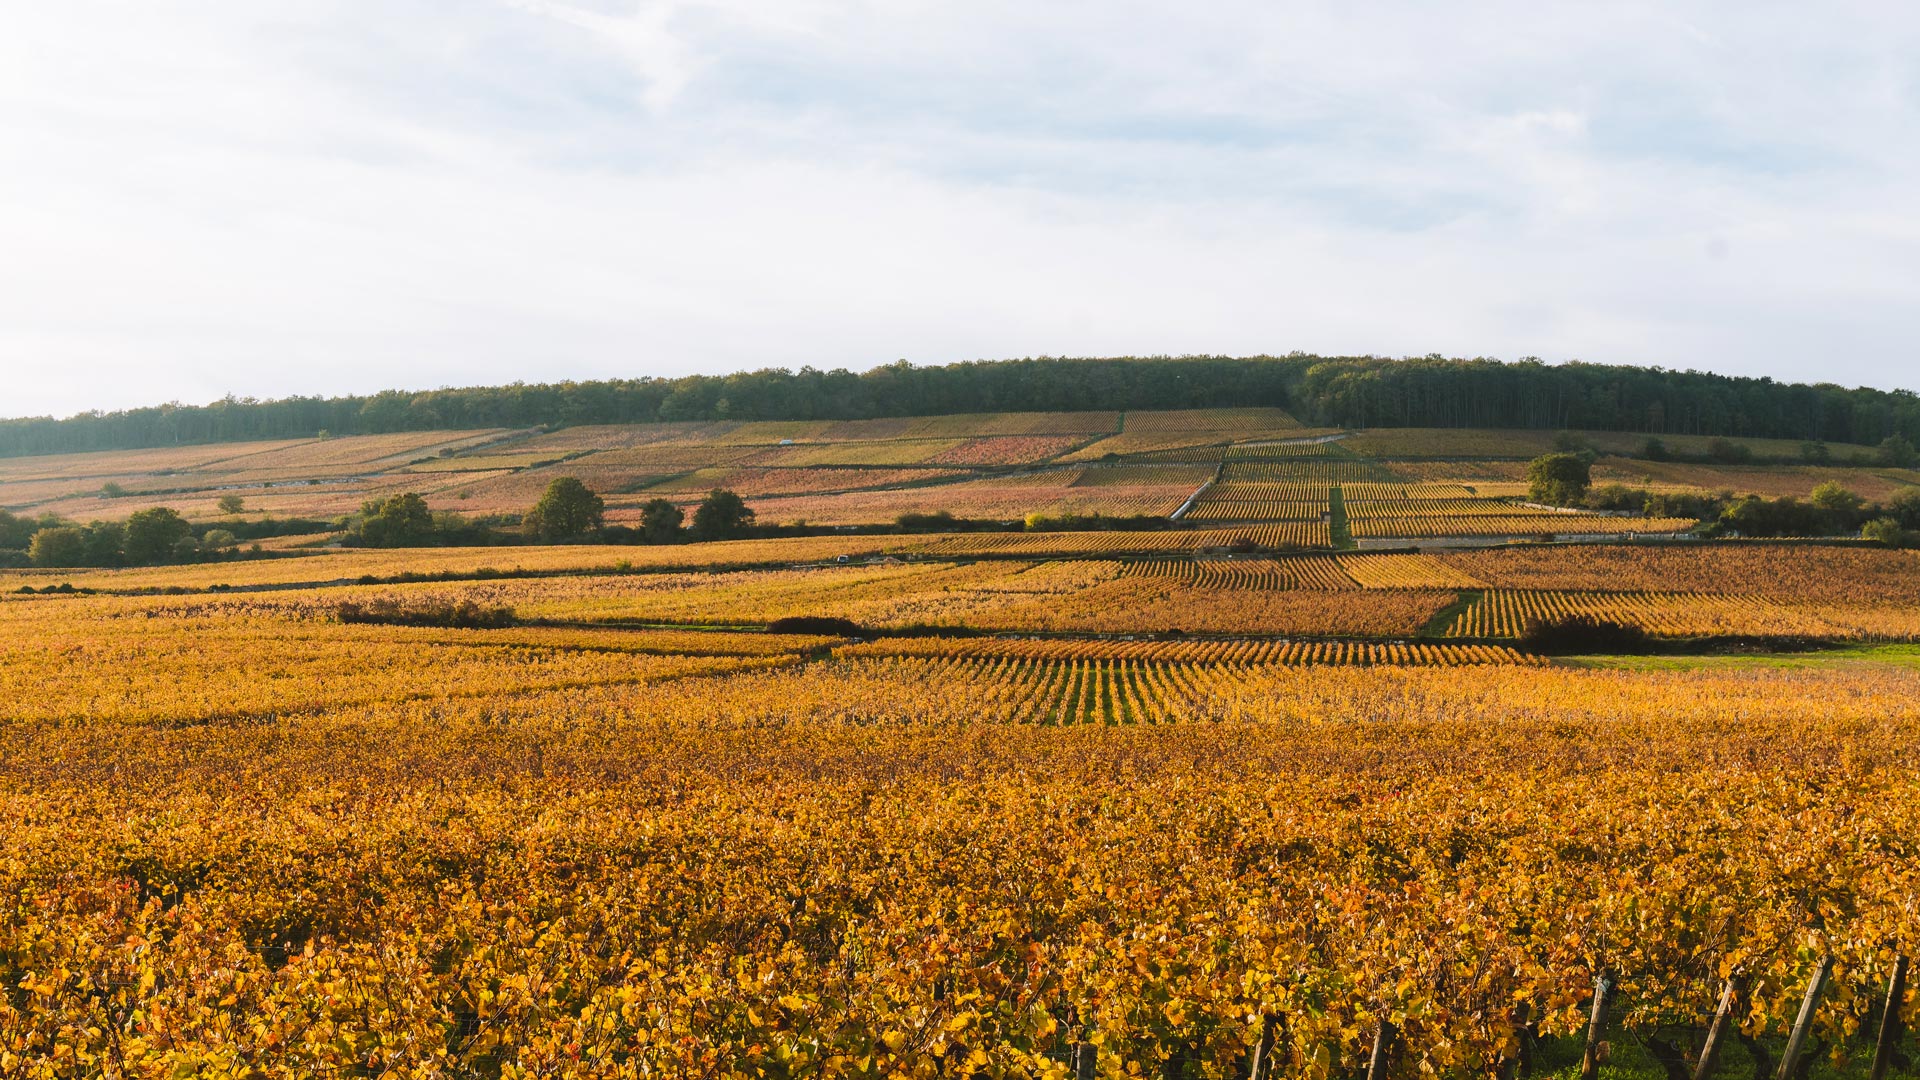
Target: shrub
1616, 497
1888, 531
1685, 504
1904, 507
937, 521
1832, 495
459, 615
823, 625
1583, 634
1729, 452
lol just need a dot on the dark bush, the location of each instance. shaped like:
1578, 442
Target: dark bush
823, 625
1583, 634
937, 521
461, 615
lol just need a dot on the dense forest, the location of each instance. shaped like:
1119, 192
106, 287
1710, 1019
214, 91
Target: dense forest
1343, 391
1437, 392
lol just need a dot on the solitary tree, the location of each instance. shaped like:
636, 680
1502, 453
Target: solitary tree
1558, 479
660, 522
231, 503
568, 511
154, 535
722, 515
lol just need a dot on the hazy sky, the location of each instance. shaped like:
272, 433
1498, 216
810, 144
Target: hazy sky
294, 196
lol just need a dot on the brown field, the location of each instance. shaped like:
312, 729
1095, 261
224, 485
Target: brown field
1243, 423
751, 481
1771, 481
1500, 443
1268, 463
1782, 570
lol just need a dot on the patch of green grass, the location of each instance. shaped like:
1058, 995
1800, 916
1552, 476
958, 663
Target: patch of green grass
1462, 600
1337, 529
1895, 655
1629, 1059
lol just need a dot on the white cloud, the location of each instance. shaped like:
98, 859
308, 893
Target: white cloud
642, 37
332, 196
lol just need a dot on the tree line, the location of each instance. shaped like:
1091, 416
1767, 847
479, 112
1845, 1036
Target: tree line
1351, 391
1434, 391
568, 512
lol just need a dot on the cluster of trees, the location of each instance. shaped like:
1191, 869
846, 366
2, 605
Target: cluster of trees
568, 512
1564, 478
404, 520
147, 537
1894, 451
722, 515
1352, 391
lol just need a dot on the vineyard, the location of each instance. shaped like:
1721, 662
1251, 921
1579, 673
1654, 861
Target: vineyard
1053, 651
1504, 613
1176, 857
1246, 573
1201, 798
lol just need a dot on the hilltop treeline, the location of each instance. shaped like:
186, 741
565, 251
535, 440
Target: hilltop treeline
1437, 392
1342, 391
898, 389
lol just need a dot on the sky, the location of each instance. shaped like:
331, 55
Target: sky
261, 199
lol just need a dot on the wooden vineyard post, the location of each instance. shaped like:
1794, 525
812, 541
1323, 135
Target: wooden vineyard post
1797, 1040
1262, 1067
1086, 1060
1602, 997
1890, 1020
1382, 1044
1717, 1034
